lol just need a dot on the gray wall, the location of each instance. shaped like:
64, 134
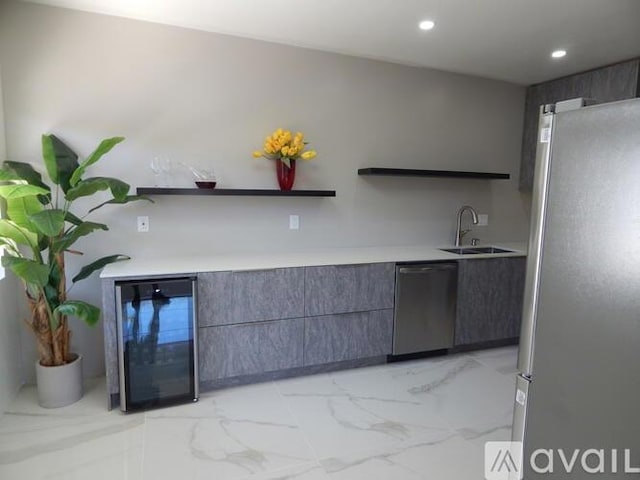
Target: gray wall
10, 371
203, 97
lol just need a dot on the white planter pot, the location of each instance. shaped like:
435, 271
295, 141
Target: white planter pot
59, 386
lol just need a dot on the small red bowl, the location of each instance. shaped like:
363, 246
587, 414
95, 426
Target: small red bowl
206, 184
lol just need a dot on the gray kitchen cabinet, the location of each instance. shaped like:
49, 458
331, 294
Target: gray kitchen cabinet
227, 298
348, 288
549, 92
578, 85
615, 82
607, 84
535, 98
234, 350
490, 296
347, 336
252, 322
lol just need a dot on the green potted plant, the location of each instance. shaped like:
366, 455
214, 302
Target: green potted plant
38, 230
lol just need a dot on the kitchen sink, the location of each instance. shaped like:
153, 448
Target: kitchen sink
475, 250
459, 250
490, 250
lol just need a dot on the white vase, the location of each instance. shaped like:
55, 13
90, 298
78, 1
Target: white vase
61, 385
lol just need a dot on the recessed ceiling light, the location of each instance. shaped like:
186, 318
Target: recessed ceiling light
558, 53
427, 24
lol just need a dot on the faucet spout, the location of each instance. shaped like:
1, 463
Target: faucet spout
459, 232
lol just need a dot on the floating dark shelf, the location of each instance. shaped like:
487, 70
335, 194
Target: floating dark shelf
408, 172
234, 191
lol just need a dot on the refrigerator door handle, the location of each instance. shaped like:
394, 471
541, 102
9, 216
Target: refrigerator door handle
534, 256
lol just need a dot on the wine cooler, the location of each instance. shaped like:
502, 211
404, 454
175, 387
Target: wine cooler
157, 342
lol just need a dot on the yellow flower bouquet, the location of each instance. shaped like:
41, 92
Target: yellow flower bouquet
283, 145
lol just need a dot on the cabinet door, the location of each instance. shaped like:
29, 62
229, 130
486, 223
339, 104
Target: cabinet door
616, 82
233, 350
579, 85
226, 298
348, 288
334, 338
490, 294
608, 84
564, 88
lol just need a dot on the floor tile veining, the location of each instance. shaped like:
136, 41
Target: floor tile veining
421, 419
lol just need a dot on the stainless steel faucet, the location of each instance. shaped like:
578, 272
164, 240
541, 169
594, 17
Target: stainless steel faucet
461, 233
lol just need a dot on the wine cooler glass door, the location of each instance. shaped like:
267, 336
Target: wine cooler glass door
156, 340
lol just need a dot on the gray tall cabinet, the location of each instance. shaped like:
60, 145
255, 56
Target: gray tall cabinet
614, 82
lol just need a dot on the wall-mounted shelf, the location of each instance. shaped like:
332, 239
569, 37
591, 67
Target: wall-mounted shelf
408, 172
234, 192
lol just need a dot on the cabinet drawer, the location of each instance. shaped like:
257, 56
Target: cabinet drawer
226, 298
334, 338
233, 350
348, 288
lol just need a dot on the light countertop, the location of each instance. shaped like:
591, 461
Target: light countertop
176, 265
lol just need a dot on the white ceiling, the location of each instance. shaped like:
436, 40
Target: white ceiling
503, 39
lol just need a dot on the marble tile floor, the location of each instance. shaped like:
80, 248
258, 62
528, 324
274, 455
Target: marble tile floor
422, 419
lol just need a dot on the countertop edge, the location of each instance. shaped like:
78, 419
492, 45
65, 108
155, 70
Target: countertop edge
191, 265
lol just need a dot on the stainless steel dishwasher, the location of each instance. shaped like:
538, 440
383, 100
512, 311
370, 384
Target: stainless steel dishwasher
425, 310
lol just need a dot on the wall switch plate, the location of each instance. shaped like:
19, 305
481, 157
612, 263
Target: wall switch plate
483, 219
294, 222
143, 224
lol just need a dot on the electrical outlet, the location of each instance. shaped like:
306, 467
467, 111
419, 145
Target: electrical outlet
483, 219
143, 224
294, 222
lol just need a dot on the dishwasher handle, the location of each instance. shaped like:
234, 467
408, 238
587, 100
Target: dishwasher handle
436, 267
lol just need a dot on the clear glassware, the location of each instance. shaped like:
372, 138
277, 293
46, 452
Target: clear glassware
205, 176
161, 167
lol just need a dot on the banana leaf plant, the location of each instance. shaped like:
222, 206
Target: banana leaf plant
39, 228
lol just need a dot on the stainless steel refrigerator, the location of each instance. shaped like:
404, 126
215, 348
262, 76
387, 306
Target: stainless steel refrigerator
578, 386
